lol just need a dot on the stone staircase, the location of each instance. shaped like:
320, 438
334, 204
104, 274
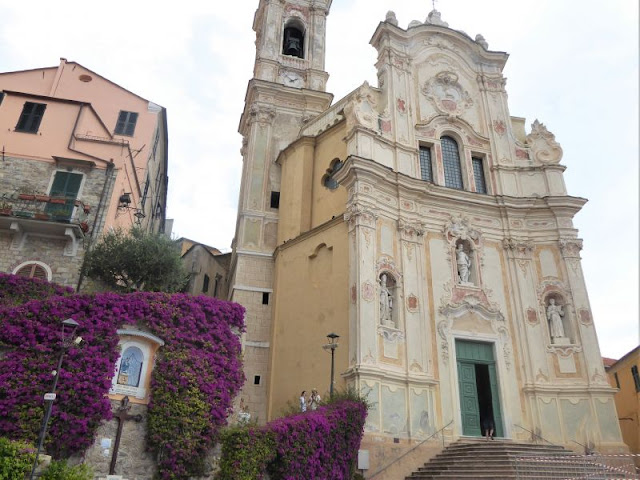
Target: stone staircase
494, 460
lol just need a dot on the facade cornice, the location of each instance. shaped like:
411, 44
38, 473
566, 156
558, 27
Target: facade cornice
413, 35
282, 98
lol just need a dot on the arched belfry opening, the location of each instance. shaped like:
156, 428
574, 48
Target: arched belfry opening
293, 38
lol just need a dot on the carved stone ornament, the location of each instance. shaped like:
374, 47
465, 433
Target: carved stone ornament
409, 231
570, 248
391, 18
262, 113
386, 264
520, 248
443, 331
460, 228
482, 42
543, 144
361, 215
361, 110
390, 334
564, 350
447, 94
435, 18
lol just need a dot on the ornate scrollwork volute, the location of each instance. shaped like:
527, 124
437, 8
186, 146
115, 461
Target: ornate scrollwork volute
361, 110
443, 331
360, 215
262, 114
570, 248
543, 144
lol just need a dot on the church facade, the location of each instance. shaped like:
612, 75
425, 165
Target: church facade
419, 221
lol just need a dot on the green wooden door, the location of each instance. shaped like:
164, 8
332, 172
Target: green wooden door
469, 399
495, 400
469, 354
65, 189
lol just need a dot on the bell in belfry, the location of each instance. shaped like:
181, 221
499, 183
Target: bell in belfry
292, 45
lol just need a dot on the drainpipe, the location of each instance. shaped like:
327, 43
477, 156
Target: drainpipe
99, 213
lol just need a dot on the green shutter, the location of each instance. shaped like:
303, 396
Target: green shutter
65, 185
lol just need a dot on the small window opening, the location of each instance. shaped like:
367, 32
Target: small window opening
256, 379
216, 284
205, 284
451, 163
426, 171
478, 175
275, 199
636, 377
293, 41
30, 117
615, 375
265, 298
126, 123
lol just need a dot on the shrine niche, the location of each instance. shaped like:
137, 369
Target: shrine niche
555, 309
133, 368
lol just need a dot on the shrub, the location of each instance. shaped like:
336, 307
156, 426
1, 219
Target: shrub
16, 459
15, 290
62, 471
319, 444
246, 452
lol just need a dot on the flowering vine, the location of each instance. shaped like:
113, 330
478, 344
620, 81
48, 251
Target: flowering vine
197, 372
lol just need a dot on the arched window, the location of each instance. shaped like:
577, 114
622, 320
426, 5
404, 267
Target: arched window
451, 162
293, 39
327, 180
33, 270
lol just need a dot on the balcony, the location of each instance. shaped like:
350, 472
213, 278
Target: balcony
25, 215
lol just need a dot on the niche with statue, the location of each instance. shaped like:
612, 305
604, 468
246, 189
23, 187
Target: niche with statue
466, 264
388, 300
557, 316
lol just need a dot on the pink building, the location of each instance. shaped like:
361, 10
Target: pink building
79, 155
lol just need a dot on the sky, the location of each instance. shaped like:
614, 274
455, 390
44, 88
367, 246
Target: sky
573, 65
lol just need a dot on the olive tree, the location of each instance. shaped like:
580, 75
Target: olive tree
136, 261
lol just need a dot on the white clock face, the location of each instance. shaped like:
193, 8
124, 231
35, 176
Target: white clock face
291, 79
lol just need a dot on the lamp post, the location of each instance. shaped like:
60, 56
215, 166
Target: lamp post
331, 346
67, 339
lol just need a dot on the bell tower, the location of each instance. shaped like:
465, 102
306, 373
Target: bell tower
287, 90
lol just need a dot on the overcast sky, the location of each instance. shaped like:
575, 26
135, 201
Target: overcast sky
573, 66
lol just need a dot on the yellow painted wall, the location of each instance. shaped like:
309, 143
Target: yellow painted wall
310, 301
305, 202
627, 399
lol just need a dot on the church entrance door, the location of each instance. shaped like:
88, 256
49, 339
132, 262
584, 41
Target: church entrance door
478, 385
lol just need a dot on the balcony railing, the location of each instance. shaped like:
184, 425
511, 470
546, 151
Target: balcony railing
45, 208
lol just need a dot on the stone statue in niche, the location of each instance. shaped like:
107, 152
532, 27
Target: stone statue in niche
554, 315
386, 303
463, 261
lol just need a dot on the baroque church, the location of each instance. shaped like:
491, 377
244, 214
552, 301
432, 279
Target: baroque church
421, 222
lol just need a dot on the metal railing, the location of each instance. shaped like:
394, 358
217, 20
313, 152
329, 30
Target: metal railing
379, 471
576, 467
535, 435
44, 208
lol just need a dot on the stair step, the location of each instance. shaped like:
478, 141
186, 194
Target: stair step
480, 459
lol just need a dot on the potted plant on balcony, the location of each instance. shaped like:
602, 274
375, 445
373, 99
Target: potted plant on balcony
6, 209
41, 216
42, 198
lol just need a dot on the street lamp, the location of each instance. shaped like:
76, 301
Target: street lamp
332, 345
67, 339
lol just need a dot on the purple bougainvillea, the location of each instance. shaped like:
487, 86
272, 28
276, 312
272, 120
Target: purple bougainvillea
322, 444
197, 373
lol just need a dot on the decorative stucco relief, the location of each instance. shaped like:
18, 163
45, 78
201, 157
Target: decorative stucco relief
361, 215
361, 110
264, 114
570, 248
447, 94
585, 317
543, 144
368, 291
387, 264
499, 127
412, 303
532, 316
521, 250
